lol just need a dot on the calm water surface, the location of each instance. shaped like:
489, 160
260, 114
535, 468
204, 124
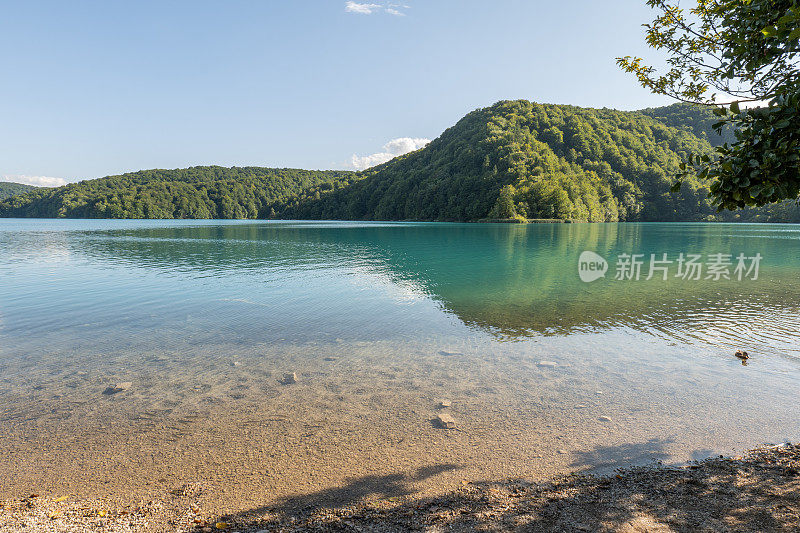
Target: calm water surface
381, 321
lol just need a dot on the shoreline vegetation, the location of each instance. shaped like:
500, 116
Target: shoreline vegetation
521, 220
756, 492
513, 160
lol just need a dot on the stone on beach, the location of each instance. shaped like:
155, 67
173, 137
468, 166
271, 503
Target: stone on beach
444, 403
445, 421
289, 378
118, 387
604, 418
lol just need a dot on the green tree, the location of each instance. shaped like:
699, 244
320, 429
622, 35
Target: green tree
745, 51
504, 206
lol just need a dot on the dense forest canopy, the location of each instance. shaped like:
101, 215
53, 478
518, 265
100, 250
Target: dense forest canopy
699, 120
197, 192
515, 159
9, 189
547, 161
519, 159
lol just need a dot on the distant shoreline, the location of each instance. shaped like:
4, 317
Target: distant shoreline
480, 221
530, 221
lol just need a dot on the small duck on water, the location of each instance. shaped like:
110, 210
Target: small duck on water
741, 354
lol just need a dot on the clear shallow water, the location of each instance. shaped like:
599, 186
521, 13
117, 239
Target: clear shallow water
380, 321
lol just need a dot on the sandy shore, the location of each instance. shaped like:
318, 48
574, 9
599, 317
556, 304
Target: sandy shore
759, 491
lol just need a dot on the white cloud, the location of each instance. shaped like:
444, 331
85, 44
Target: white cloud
39, 181
367, 161
392, 149
364, 8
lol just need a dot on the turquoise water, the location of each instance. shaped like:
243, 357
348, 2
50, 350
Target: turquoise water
260, 282
204, 318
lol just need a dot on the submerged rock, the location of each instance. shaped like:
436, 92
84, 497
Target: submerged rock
547, 364
289, 378
445, 421
604, 419
118, 387
741, 354
447, 354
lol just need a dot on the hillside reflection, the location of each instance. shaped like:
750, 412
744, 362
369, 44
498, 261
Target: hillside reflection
512, 281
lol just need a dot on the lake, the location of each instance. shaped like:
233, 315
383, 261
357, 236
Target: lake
382, 323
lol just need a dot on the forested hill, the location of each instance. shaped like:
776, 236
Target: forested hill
519, 158
9, 189
197, 192
515, 159
698, 120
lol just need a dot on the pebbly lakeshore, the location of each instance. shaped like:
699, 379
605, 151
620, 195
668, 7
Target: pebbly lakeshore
756, 492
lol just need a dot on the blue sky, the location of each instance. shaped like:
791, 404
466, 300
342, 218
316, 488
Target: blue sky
96, 88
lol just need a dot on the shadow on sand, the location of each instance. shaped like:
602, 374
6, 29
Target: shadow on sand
760, 492
360, 489
604, 459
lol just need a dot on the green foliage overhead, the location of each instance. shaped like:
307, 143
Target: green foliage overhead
197, 192
9, 189
763, 166
747, 51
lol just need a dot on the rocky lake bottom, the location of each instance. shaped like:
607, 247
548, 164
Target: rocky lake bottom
355, 425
